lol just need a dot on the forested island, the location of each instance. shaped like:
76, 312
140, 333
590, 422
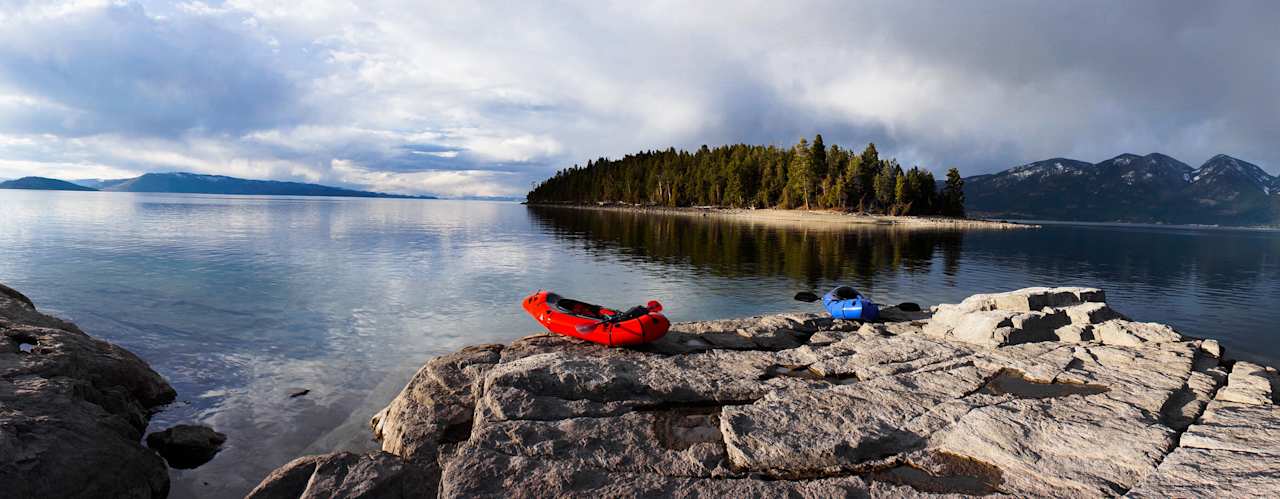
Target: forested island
808, 175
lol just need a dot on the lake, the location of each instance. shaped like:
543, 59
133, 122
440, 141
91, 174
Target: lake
241, 300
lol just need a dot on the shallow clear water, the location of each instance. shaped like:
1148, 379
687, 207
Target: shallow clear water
240, 300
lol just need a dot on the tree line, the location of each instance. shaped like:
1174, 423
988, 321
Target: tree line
808, 175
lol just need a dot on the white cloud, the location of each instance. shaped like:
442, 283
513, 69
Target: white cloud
447, 183
483, 97
11, 169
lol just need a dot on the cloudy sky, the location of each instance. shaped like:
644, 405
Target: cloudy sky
473, 98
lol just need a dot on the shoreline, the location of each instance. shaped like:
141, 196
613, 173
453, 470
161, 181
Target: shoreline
1150, 225
1002, 393
74, 410
806, 218
1005, 393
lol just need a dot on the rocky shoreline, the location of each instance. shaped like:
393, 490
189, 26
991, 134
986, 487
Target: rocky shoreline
73, 411
1037, 392
1033, 393
803, 218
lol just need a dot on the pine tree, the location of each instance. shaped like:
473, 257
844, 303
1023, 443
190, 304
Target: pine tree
871, 167
921, 185
855, 184
818, 158
953, 194
902, 195
870, 156
800, 177
884, 187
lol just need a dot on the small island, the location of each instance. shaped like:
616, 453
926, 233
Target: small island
807, 175
805, 185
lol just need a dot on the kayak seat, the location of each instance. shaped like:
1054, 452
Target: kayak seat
845, 293
576, 307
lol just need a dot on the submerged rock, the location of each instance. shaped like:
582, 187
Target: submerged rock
186, 446
1042, 392
73, 410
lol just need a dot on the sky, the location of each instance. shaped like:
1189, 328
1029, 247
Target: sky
485, 98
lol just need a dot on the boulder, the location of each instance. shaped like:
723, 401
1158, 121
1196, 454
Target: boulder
1022, 316
73, 410
1250, 384
186, 446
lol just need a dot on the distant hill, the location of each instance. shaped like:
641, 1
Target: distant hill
43, 184
491, 198
98, 183
1129, 188
194, 183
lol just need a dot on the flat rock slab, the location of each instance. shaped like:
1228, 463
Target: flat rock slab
1042, 392
1232, 451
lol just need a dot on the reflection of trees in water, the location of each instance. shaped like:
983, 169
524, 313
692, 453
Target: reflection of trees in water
741, 249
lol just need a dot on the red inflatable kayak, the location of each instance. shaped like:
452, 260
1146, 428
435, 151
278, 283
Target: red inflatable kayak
595, 323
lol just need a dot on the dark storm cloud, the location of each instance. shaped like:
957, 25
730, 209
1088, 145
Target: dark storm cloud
476, 98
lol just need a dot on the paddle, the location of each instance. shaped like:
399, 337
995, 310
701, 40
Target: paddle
652, 307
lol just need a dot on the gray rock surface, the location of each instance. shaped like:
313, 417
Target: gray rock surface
72, 411
1003, 394
1232, 450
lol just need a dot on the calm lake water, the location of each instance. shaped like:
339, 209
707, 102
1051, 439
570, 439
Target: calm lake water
240, 300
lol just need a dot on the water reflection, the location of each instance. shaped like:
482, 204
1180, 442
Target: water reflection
238, 300
1217, 283
810, 256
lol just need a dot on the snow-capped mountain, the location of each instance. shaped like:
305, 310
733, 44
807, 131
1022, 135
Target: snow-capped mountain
1132, 188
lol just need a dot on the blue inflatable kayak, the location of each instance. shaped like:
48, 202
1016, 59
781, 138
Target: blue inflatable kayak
845, 302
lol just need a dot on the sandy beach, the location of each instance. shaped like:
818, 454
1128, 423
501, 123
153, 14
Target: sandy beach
810, 218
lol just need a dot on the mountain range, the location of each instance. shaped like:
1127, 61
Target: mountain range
1129, 188
196, 184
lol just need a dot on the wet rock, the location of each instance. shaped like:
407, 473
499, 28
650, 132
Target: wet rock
186, 446
806, 296
73, 410
375, 475
1010, 393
